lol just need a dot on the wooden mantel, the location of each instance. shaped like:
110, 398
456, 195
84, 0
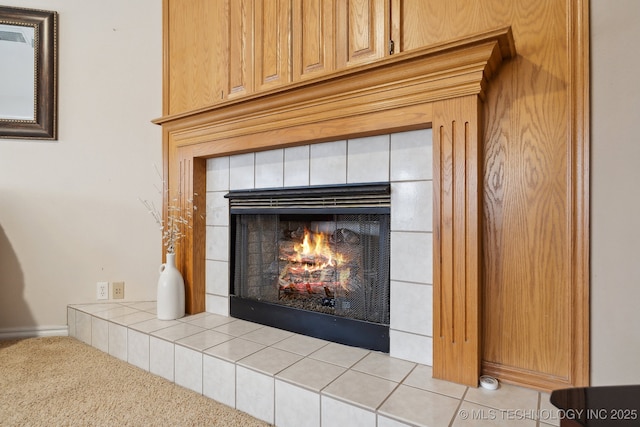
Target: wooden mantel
441, 87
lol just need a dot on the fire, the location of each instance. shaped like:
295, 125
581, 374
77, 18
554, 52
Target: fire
314, 267
315, 250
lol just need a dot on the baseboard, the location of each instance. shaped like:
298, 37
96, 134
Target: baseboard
34, 331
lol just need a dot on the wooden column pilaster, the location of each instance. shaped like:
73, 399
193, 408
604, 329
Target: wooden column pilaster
457, 239
187, 189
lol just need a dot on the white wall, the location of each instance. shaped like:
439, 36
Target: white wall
69, 210
615, 196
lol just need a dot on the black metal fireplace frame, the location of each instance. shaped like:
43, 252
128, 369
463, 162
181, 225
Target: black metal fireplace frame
342, 199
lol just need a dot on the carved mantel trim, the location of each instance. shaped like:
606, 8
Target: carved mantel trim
441, 87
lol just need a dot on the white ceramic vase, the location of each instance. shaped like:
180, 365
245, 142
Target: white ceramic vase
170, 304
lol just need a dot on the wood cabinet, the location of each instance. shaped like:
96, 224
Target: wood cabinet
194, 54
314, 38
272, 49
362, 31
238, 23
218, 50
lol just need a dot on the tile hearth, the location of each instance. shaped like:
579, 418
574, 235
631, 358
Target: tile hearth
293, 380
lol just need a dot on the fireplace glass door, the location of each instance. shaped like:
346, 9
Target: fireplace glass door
313, 269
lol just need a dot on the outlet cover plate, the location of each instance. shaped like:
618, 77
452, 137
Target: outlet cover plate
102, 290
117, 290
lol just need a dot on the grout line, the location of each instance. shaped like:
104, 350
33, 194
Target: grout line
455, 413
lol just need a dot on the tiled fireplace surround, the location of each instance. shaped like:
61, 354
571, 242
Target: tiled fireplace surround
292, 380
404, 159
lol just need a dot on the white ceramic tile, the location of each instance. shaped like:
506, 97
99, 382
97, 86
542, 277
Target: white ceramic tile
100, 334
300, 344
267, 335
71, 321
217, 305
412, 347
95, 308
217, 277
218, 174
412, 155
388, 422
383, 366
412, 257
368, 159
255, 394
412, 206
204, 340
152, 325
288, 401
419, 407
161, 358
473, 415
412, 307
507, 397
238, 327
241, 171
219, 380
548, 413
422, 377
339, 414
188, 368
235, 349
138, 349
296, 166
190, 318
143, 305
269, 169
338, 354
114, 312
177, 332
217, 243
118, 341
361, 389
311, 374
269, 361
217, 212
130, 319
208, 320
83, 327
328, 163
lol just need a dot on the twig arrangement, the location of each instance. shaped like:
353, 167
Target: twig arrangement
178, 218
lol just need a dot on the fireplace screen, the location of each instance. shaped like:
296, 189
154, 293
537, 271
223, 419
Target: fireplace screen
312, 254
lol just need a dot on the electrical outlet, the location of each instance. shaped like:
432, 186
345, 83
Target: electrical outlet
102, 290
117, 290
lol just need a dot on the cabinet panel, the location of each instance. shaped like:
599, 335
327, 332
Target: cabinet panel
240, 51
313, 38
362, 31
272, 47
193, 50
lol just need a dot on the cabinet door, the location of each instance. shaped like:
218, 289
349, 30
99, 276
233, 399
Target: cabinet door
240, 48
193, 74
313, 38
272, 46
362, 31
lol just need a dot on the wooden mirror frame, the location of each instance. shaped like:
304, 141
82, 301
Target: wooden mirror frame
44, 123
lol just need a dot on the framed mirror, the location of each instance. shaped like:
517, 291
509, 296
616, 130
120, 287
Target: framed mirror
28, 74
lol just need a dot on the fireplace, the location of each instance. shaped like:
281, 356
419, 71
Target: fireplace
314, 260
224, 147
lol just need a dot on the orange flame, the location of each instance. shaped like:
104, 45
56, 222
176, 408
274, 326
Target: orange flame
315, 249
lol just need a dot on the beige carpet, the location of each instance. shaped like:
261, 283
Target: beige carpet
60, 381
